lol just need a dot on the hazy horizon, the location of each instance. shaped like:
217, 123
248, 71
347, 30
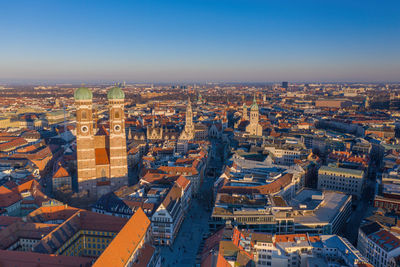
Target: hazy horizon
49, 82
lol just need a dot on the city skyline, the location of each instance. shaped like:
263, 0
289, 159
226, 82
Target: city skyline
199, 41
200, 133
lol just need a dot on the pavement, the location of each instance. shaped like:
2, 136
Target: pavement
363, 210
184, 250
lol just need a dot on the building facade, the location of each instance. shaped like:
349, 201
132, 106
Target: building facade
101, 153
378, 245
254, 128
189, 131
348, 181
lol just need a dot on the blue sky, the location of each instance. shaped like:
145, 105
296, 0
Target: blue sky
200, 40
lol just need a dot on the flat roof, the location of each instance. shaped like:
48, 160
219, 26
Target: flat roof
341, 170
327, 209
391, 188
309, 198
343, 245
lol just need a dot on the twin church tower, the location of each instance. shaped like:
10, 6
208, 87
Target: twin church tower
101, 153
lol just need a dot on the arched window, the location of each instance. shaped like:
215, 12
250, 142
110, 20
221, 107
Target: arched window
103, 173
84, 114
116, 115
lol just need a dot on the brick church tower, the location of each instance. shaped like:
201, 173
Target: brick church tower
117, 143
101, 153
86, 160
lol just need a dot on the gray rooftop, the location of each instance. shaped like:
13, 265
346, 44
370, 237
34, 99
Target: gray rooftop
342, 170
325, 211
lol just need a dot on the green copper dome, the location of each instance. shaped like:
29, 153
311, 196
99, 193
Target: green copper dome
83, 93
115, 93
254, 106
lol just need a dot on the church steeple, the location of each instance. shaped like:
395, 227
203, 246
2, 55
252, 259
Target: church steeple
245, 115
189, 115
254, 128
129, 134
254, 111
367, 102
153, 120
254, 106
188, 132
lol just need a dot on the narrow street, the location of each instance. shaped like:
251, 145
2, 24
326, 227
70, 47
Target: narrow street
363, 210
183, 251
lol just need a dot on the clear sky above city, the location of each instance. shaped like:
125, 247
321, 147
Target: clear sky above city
200, 40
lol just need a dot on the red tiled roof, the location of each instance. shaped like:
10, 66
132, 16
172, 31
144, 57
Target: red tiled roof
8, 197
314, 238
51, 213
12, 144
178, 170
61, 172
102, 131
133, 150
211, 243
80, 220
101, 156
182, 182
41, 163
41, 153
171, 197
345, 156
10, 184
290, 237
145, 255
150, 177
19, 230
10, 258
136, 204
27, 186
128, 240
26, 149
184, 161
385, 240
8, 220
273, 187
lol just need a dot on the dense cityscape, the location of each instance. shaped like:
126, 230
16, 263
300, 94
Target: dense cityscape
199, 133
217, 174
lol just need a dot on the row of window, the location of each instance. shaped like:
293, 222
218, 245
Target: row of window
264, 263
265, 256
344, 189
386, 205
254, 219
333, 176
103, 246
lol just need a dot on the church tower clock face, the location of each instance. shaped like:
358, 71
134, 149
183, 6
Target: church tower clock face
84, 129
117, 128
